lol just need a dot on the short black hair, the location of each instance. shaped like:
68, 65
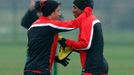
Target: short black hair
49, 7
81, 4
46, 7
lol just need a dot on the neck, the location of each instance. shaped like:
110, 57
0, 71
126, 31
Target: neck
49, 17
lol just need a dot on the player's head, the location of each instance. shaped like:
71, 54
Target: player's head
51, 8
47, 8
80, 5
38, 5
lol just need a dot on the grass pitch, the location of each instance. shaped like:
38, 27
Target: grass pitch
118, 50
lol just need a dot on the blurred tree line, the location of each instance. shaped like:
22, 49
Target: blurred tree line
115, 15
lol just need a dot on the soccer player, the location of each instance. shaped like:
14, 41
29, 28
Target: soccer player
42, 38
91, 53
32, 15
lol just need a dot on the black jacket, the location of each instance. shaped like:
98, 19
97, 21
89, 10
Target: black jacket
29, 17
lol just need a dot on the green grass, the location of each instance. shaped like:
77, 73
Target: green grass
12, 59
119, 57
118, 50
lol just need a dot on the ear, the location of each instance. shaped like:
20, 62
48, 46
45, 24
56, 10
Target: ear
53, 13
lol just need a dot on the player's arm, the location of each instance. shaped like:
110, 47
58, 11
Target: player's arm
30, 16
61, 26
28, 19
85, 38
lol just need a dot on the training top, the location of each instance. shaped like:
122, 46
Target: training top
90, 46
42, 40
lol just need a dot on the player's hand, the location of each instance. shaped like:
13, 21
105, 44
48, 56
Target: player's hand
32, 4
63, 62
62, 42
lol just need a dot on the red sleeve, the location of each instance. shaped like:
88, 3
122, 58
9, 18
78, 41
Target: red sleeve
72, 24
85, 36
63, 25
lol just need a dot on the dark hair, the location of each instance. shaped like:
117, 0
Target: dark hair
82, 4
49, 7
46, 7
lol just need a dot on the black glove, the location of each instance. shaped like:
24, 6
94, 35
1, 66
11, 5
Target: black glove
64, 62
62, 42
